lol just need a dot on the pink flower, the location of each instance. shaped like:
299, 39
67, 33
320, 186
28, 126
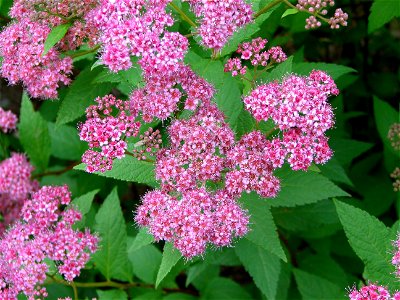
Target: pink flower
8, 121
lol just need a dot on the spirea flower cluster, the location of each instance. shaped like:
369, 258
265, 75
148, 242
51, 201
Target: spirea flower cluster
15, 187
107, 126
318, 9
252, 51
220, 19
182, 210
45, 232
8, 121
373, 292
299, 108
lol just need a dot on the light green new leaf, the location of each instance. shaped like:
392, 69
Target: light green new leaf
299, 188
81, 94
55, 35
382, 11
170, 258
111, 258
34, 135
263, 266
314, 287
289, 11
129, 169
371, 240
262, 227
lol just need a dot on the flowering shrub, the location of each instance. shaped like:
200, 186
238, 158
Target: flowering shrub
191, 149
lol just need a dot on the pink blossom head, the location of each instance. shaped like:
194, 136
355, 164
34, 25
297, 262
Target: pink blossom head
8, 121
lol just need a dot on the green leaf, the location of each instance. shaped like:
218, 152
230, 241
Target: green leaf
129, 169
385, 116
179, 296
335, 172
335, 71
345, 150
224, 289
112, 294
306, 217
245, 123
146, 263
55, 35
371, 240
65, 142
143, 238
228, 96
263, 266
382, 11
280, 70
34, 134
262, 227
80, 95
314, 287
299, 188
238, 37
83, 204
111, 259
289, 11
170, 258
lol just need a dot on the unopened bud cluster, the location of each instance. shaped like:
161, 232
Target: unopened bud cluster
394, 136
149, 143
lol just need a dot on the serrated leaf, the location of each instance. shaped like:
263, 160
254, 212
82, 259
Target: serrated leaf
280, 70
335, 71
371, 241
289, 11
65, 142
299, 188
238, 37
382, 11
83, 204
345, 150
224, 289
263, 266
34, 134
111, 259
129, 169
143, 238
80, 95
335, 172
55, 35
170, 258
262, 227
146, 262
314, 287
112, 294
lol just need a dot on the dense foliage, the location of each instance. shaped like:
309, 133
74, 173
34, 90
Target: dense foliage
199, 149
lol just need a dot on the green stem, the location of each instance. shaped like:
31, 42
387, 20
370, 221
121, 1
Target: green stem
82, 53
59, 172
316, 14
183, 15
267, 8
73, 285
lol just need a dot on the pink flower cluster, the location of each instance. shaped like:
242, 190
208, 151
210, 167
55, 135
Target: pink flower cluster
220, 19
319, 7
373, 292
253, 160
107, 126
45, 232
15, 187
21, 46
149, 144
183, 211
396, 256
252, 51
128, 28
299, 108
8, 121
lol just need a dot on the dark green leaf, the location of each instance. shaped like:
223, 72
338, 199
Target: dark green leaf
112, 294
382, 11
263, 266
224, 289
146, 263
34, 134
335, 71
111, 258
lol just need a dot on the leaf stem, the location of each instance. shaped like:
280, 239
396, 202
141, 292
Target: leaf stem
267, 8
58, 172
183, 15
